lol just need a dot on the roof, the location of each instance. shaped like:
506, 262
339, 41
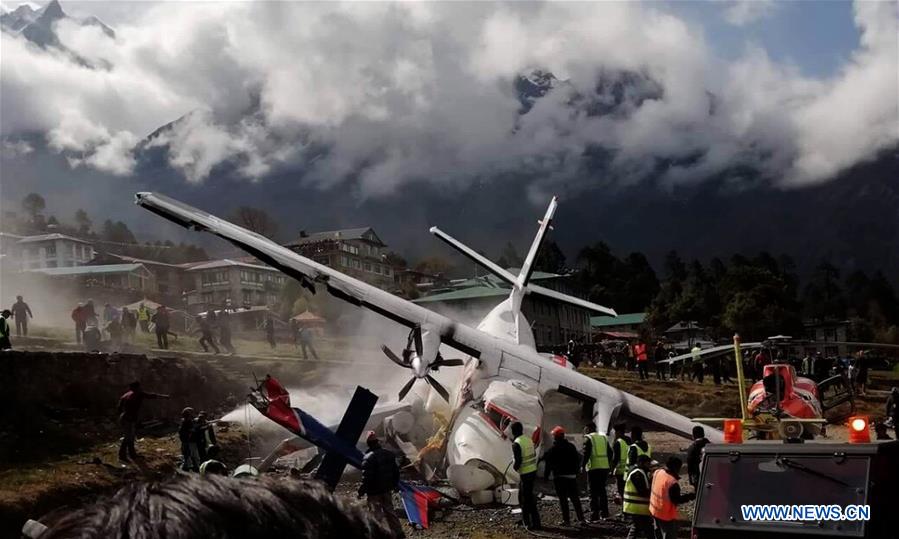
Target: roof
134, 260
90, 270
620, 320
306, 316
620, 334
493, 280
342, 234
472, 292
225, 263
687, 325
48, 237
488, 286
152, 305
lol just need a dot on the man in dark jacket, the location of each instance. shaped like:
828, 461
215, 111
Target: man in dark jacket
269, 327
161, 320
225, 331
562, 463
380, 477
79, 316
660, 355
5, 343
694, 454
129, 409
190, 453
206, 338
22, 312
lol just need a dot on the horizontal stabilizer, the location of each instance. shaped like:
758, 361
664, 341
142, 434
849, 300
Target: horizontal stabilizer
512, 280
474, 256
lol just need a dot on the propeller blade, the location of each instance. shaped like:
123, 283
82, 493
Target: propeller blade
437, 387
450, 362
406, 388
313, 463
419, 347
389, 353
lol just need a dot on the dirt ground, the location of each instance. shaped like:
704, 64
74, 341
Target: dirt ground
77, 474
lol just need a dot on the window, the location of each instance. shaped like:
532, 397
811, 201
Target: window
51, 250
247, 296
356, 264
388, 272
366, 267
352, 249
212, 278
206, 297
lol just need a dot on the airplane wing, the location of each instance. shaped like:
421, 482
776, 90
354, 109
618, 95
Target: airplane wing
310, 274
711, 352
503, 357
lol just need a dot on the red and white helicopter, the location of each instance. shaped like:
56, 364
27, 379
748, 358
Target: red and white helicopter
503, 378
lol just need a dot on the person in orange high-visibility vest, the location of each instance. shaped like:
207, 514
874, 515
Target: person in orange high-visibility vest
664, 498
642, 360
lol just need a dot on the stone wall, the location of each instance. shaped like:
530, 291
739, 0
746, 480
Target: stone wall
59, 401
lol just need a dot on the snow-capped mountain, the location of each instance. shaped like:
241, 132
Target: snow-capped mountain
37, 25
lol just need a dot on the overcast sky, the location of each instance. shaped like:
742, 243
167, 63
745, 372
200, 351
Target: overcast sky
386, 95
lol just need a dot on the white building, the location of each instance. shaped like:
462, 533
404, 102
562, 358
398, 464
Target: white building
219, 281
53, 251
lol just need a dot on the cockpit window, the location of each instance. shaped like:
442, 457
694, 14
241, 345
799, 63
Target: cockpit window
497, 418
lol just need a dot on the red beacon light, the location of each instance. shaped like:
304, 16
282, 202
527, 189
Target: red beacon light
733, 431
859, 431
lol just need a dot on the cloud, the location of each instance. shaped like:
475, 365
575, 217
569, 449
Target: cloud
380, 95
745, 12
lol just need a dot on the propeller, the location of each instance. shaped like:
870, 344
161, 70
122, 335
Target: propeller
414, 357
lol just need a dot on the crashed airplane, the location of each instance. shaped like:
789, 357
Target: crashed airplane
503, 378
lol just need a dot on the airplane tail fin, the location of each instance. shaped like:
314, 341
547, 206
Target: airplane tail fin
416, 500
521, 283
273, 401
527, 267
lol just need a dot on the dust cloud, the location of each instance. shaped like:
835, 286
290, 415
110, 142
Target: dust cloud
50, 301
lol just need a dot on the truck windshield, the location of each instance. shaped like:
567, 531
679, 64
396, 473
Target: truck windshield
768, 479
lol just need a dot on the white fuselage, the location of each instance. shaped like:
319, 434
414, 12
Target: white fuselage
485, 407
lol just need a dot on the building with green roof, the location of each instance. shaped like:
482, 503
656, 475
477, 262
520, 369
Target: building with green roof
623, 326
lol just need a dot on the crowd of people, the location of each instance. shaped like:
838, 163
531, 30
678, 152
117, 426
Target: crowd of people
648, 492
114, 326
119, 325
654, 361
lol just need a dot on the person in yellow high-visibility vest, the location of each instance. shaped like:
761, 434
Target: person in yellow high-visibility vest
597, 463
143, 318
637, 492
619, 456
525, 463
638, 447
